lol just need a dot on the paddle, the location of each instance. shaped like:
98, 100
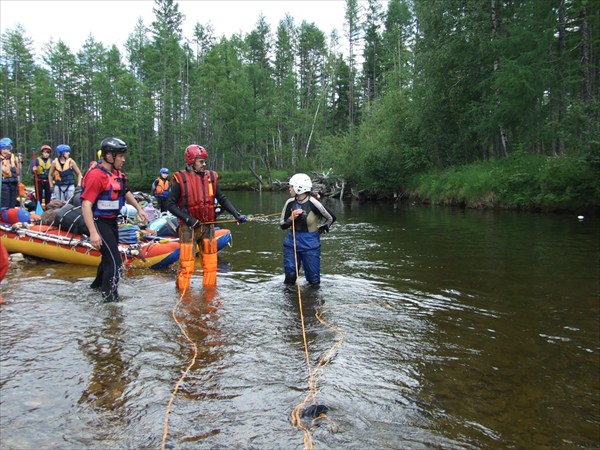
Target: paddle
38, 207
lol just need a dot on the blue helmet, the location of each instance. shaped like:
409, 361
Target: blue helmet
164, 170
6, 143
62, 148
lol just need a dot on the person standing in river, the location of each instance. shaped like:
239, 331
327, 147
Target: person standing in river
192, 201
104, 193
307, 218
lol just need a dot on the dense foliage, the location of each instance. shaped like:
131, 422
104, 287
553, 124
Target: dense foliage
422, 89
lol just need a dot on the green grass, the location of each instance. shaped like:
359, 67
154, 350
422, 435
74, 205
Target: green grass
520, 182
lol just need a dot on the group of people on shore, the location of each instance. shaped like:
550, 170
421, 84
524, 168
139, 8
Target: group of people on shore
190, 196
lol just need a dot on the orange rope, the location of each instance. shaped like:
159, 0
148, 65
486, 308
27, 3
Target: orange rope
297, 422
325, 359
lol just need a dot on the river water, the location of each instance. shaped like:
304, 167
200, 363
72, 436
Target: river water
439, 328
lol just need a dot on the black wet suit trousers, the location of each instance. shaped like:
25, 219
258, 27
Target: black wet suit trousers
111, 265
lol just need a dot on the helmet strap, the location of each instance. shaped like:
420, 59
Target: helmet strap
104, 158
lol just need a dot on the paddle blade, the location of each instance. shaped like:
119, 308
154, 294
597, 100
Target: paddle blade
38, 209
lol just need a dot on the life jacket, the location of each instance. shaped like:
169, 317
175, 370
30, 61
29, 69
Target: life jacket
197, 194
9, 170
162, 187
112, 199
63, 174
42, 167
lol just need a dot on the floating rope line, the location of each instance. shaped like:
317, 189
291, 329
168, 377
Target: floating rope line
248, 219
316, 412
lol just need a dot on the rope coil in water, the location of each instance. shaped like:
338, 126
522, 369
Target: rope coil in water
314, 411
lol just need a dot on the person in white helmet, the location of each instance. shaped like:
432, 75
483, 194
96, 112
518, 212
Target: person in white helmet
306, 218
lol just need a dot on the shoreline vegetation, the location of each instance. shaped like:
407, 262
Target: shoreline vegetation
525, 182
437, 102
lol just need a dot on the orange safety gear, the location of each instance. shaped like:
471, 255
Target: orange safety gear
42, 167
162, 185
209, 261
186, 263
6, 168
188, 239
60, 168
197, 194
9, 168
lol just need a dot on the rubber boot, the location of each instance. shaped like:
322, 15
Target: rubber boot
186, 263
209, 262
290, 279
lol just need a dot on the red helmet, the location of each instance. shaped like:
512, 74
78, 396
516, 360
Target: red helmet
46, 147
193, 152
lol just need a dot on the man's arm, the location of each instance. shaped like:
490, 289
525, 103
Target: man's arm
129, 198
51, 175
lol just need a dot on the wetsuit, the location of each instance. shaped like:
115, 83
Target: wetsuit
315, 219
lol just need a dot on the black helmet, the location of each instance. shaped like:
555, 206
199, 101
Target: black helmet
113, 145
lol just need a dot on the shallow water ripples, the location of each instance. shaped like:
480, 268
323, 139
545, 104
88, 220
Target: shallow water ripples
432, 356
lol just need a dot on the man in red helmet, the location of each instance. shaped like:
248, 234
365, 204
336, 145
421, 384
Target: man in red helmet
192, 201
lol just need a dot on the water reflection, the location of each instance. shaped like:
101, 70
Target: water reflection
102, 345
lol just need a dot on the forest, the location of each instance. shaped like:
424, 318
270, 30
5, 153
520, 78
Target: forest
478, 103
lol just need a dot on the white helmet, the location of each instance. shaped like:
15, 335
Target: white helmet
301, 183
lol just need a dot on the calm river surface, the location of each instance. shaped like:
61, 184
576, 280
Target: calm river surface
449, 329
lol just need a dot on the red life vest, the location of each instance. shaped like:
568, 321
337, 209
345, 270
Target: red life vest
197, 194
111, 200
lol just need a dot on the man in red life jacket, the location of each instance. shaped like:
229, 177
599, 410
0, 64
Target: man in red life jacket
192, 201
104, 193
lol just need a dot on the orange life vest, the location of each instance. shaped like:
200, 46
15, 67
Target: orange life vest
162, 186
197, 194
63, 173
9, 168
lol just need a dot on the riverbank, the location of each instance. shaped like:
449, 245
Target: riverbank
522, 182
